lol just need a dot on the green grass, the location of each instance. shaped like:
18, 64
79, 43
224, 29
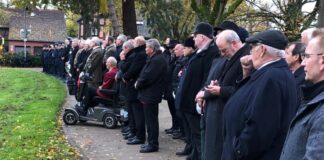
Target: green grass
29, 109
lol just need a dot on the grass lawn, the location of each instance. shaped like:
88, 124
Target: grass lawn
29, 109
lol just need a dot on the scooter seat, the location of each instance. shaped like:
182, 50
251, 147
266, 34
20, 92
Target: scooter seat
108, 92
105, 101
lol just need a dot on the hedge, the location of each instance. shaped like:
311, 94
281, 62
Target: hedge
18, 60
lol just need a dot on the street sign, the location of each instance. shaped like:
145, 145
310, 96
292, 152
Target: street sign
24, 34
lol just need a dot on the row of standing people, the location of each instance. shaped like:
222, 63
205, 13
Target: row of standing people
239, 100
235, 98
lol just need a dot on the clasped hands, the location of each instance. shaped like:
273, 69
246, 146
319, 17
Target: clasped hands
212, 88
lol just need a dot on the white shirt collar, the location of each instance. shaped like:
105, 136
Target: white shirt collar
268, 63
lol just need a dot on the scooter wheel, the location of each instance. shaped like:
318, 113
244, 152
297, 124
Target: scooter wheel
110, 121
69, 118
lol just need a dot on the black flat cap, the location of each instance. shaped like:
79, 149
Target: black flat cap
273, 38
204, 29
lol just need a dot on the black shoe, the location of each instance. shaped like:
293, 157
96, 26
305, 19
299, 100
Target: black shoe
144, 145
183, 138
125, 130
149, 149
130, 135
131, 138
126, 133
183, 153
170, 131
177, 135
135, 141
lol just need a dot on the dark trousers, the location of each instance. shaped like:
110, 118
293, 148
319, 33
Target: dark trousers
89, 93
138, 114
194, 125
185, 129
151, 114
203, 137
173, 112
131, 118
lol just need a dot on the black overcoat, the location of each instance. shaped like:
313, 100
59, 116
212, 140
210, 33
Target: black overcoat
152, 79
194, 78
131, 70
227, 72
257, 116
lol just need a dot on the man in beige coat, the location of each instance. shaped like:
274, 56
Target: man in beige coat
93, 65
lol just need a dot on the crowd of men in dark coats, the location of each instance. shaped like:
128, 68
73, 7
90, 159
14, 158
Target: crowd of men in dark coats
230, 95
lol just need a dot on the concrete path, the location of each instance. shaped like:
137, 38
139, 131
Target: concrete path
98, 143
95, 142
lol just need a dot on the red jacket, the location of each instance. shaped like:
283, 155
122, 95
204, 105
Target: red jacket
108, 81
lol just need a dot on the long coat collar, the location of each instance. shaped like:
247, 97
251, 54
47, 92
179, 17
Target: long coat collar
139, 48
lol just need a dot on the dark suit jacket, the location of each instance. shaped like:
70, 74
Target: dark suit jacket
194, 78
151, 82
257, 116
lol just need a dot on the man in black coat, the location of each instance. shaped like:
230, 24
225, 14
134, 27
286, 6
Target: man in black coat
132, 66
150, 85
188, 52
220, 85
193, 80
257, 116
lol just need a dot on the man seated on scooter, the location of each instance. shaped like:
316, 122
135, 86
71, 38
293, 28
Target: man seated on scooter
108, 81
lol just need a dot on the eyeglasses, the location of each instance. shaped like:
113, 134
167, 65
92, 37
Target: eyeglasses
307, 55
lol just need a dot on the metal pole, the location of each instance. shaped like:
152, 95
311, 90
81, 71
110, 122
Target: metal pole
25, 36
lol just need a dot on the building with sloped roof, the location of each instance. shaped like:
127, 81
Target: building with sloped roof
46, 26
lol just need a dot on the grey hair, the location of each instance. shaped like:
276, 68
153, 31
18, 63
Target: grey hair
122, 37
128, 44
96, 40
112, 61
154, 44
309, 33
230, 36
140, 40
274, 51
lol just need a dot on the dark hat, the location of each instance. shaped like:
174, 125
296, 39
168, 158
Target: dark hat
273, 38
189, 42
173, 43
243, 34
204, 29
227, 25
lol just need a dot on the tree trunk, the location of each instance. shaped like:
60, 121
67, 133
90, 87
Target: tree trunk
129, 18
86, 26
320, 23
113, 18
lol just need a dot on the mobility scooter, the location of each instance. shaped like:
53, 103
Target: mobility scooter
109, 111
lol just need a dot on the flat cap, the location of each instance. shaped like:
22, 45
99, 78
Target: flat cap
273, 38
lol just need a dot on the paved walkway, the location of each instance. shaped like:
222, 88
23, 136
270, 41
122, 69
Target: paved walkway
98, 143
95, 142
